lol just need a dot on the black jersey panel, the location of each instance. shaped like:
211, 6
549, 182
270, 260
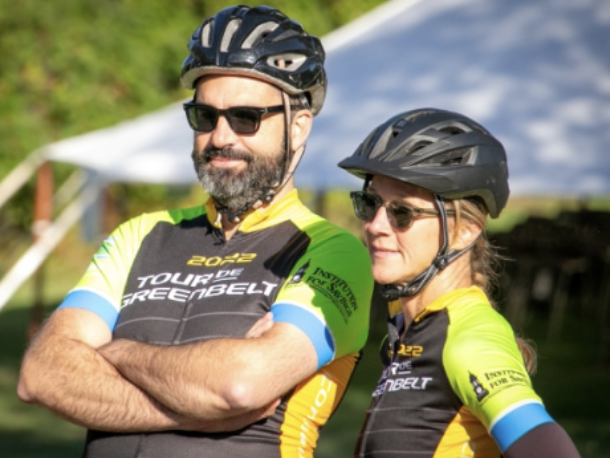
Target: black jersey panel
184, 286
187, 285
413, 403
102, 444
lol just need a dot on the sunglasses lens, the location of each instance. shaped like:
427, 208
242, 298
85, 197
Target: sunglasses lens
244, 120
365, 205
202, 118
401, 214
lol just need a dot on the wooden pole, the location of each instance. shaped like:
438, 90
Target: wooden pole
43, 215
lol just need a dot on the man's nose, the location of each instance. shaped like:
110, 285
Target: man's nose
223, 135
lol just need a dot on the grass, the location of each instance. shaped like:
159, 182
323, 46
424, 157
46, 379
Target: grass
27, 431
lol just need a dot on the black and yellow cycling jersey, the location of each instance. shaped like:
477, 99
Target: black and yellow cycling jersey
171, 278
454, 384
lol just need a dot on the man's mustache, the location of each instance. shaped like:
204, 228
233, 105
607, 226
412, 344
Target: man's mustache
228, 153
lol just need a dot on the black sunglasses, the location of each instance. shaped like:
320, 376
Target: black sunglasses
243, 120
401, 215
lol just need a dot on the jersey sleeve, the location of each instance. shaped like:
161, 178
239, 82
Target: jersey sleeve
100, 289
328, 294
486, 371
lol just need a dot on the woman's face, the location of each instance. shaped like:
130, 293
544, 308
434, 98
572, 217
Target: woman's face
398, 256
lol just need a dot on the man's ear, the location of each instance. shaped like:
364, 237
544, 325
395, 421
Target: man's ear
302, 121
466, 234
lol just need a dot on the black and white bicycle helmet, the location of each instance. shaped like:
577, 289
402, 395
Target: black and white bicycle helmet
446, 153
260, 42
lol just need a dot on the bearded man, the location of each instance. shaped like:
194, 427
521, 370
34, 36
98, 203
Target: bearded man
230, 329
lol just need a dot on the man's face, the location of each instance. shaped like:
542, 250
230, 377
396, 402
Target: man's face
233, 168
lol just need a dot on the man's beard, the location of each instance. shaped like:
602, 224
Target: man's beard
237, 190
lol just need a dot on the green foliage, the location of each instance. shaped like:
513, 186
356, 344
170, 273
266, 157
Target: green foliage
71, 66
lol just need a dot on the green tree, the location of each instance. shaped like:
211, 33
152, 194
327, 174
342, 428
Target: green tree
71, 66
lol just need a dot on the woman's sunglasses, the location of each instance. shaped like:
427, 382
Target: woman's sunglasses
401, 215
243, 120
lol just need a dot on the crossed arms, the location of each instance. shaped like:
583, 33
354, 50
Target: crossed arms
74, 369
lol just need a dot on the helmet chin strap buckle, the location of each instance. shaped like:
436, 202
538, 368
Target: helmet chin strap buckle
441, 262
391, 292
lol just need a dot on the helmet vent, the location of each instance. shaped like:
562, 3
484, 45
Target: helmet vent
259, 33
286, 35
419, 145
230, 30
289, 61
458, 156
366, 144
452, 130
206, 32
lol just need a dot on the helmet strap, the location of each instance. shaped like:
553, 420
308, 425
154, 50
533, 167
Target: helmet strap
443, 259
290, 164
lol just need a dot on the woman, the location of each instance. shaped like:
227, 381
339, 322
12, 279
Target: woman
455, 383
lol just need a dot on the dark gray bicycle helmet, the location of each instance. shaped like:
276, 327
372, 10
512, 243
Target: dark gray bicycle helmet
260, 42
444, 152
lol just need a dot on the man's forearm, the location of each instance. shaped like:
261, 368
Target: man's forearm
72, 380
217, 379
106, 401
163, 373
63, 372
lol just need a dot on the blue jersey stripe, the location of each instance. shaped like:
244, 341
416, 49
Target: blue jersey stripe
87, 300
517, 422
312, 326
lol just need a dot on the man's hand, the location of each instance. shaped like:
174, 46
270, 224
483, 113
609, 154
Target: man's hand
261, 326
233, 423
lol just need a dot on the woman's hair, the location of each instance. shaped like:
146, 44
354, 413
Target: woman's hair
485, 262
484, 259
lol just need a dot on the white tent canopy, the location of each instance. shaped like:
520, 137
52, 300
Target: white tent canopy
537, 74
154, 148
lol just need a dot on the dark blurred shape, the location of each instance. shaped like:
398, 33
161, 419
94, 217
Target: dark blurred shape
559, 268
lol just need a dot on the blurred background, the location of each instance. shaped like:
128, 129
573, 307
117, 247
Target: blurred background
92, 133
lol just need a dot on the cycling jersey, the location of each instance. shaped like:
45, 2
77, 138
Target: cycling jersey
171, 278
452, 384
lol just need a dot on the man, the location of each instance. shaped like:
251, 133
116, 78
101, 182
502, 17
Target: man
229, 329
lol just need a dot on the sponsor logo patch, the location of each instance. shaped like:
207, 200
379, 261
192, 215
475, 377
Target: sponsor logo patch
479, 389
493, 382
298, 276
330, 285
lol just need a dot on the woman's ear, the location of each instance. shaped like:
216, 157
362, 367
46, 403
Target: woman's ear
466, 234
301, 126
